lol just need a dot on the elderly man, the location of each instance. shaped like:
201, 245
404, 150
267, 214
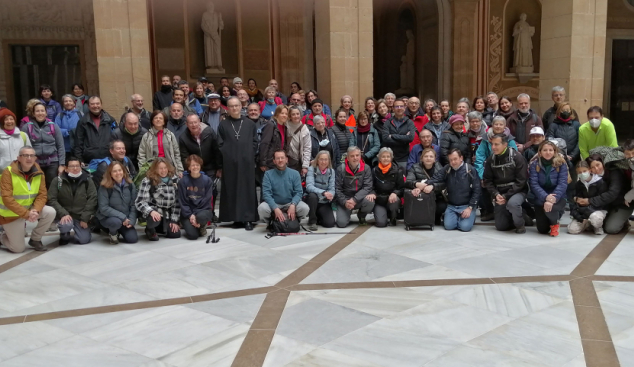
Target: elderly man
282, 192
24, 198
163, 97
200, 139
558, 96
175, 80
463, 191
493, 102
137, 108
417, 115
426, 139
176, 120
505, 177
599, 131
389, 101
353, 182
131, 134
522, 121
243, 97
93, 132
178, 96
117, 153
190, 100
273, 83
398, 132
215, 113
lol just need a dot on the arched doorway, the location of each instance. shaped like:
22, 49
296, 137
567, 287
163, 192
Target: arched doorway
428, 23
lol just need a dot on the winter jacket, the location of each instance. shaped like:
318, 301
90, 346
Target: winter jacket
222, 114
192, 102
514, 123
596, 188
505, 174
475, 139
162, 198
97, 176
399, 137
194, 194
487, 116
372, 145
550, 115
617, 186
420, 120
48, 142
344, 137
537, 181
77, 199
81, 104
148, 150
529, 153
463, 184
117, 202
298, 145
262, 104
10, 146
132, 143
454, 140
356, 185
436, 134
144, 118
335, 156
187, 110
378, 125
281, 187
308, 119
271, 141
325, 110
414, 155
319, 183
162, 99
385, 184
67, 121
92, 141
418, 173
588, 139
569, 131
484, 150
177, 127
53, 108
207, 149
6, 190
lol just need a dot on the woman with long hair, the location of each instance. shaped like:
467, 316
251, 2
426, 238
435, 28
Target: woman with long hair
255, 94
299, 144
506, 108
199, 94
30, 105
159, 142
225, 94
320, 186
273, 138
81, 99
116, 211
157, 200
367, 139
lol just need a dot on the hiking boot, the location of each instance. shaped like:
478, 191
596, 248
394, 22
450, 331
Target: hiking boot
151, 234
37, 245
202, 230
312, 226
554, 230
114, 239
520, 230
487, 217
64, 239
393, 222
362, 221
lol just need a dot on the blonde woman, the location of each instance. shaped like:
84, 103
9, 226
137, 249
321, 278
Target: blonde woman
320, 186
299, 143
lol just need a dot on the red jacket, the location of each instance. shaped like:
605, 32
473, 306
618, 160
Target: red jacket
308, 119
419, 122
278, 101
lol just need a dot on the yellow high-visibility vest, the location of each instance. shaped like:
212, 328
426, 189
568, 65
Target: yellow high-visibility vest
24, 192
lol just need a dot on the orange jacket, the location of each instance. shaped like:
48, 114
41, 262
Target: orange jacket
6, 185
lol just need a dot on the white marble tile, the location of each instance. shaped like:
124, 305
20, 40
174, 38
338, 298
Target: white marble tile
284, 350
427, 273
308, 250
18, 339
323, 357
82, 324
200, 252
467, 356
73, 255
28, 268
240, 309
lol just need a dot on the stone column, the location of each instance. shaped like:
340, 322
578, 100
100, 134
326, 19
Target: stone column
344, 56
123, 53
465, 41
573, 51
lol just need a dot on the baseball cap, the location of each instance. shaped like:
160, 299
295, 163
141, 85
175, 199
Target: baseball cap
202, 79
214, 96
537, 131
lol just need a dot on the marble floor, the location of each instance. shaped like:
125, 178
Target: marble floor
362, 296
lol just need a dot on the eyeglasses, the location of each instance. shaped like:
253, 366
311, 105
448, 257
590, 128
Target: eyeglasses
28, 155
74, 166
399, 106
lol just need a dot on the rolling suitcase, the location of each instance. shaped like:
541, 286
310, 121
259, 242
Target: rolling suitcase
420, 211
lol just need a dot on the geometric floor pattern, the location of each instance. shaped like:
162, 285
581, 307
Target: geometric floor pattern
365, 297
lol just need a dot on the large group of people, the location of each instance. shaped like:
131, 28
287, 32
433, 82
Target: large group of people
72, 167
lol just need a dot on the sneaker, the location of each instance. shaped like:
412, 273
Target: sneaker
202, 230
312, 226
37, 245
114, 239
487, 217
554, 230
362, 221
520, 230
599, 231
151, 234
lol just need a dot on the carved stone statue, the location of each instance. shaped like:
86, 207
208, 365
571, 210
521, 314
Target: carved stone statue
408, 63
523, 46
213, 25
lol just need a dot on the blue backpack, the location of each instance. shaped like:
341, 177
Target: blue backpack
92, 166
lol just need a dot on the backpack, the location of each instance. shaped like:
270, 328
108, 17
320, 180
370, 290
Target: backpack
287, 226
142, 173
468, 170
94, 164
23, 135
29, 124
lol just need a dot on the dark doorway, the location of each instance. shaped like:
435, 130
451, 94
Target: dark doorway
33, 65
622, 89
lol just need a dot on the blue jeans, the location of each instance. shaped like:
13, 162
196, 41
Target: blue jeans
453, 220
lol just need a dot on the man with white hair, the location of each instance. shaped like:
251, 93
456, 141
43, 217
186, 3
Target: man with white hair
558, 96
389, 101
522, 121
136, 107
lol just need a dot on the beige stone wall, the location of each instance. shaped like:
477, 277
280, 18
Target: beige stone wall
123, 52
344, 44
573, 52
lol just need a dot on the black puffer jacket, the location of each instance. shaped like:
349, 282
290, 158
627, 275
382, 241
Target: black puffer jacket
418, 173
569, 131
132, 143
617, 184
315, 138
463, 184
271, 141
207, 149
385, 184
92, 142
453, 140
398, 138
506, 174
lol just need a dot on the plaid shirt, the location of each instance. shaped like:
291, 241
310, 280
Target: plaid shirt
164, 199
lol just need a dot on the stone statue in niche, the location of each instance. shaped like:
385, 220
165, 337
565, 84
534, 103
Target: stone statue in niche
212, 25
523, 47
408, 63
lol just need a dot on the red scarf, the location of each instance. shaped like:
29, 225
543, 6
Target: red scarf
363, 129
161, 150
282, 132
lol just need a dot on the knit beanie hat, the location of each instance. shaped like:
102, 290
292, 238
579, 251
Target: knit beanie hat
456, 118
4, 112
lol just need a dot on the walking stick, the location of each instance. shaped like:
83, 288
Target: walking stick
212, 237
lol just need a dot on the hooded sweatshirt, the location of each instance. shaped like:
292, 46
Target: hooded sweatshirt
195, 194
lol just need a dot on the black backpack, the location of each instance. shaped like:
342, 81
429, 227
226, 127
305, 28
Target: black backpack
287, 226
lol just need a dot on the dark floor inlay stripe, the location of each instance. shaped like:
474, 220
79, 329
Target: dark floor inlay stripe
598, 255
26, 257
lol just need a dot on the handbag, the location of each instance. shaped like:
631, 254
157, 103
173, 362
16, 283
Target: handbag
287, 226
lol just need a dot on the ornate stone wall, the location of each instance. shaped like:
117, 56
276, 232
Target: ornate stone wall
47, 21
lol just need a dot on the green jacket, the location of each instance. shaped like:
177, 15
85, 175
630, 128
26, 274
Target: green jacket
80, 204
588, 139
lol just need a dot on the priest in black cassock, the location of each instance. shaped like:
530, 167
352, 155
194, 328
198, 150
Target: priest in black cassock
238, 141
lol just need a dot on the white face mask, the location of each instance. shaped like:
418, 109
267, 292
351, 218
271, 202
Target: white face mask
584, 176
324, 143
74, 175
595, 123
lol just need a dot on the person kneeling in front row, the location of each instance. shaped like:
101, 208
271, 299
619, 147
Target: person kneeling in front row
74, 197
353, 182
282, 192
24, 198
195, 192
320, 185
115, 198
389, 182
463, 191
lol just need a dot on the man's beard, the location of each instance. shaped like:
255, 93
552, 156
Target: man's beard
524, 111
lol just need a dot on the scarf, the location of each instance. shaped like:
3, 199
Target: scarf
385, 169
363, 129
9, 132
252, 93
282, 130
564, 120
159, 138
165, 179
548, 166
